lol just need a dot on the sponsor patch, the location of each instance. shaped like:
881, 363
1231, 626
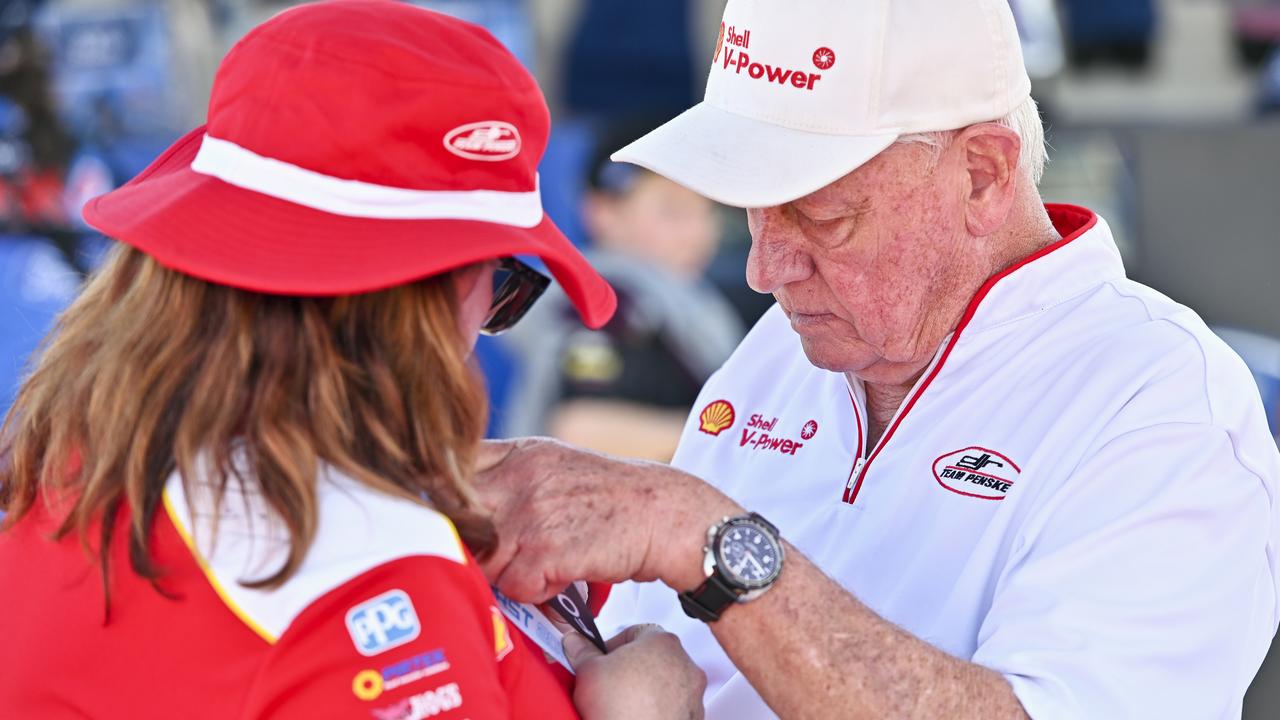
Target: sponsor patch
738, 60
370, 684
502, 645
759, 435
423, 705
383, 622
824, 58
487, 141
809, 430
367, 684
976, 472
719, 45
716, 417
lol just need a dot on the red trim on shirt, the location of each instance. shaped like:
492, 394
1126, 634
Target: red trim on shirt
1072, 222
857, 417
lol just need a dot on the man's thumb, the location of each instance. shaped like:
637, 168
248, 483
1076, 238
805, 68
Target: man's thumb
578, 649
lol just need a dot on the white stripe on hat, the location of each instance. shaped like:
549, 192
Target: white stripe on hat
246, 169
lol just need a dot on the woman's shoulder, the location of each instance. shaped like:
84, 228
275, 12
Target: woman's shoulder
388, 612
360, 531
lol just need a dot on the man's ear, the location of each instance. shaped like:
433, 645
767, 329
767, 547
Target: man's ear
990, 153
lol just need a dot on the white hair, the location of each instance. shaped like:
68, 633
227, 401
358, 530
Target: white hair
1024, 120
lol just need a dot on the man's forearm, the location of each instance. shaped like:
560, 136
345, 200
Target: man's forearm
811, 649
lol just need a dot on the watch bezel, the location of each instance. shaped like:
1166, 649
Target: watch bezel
750, 589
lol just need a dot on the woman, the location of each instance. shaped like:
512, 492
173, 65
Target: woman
237, 479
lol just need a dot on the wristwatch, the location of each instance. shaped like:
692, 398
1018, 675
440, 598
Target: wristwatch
743, 558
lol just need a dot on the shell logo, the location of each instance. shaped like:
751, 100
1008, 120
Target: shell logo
719, 45
716, 417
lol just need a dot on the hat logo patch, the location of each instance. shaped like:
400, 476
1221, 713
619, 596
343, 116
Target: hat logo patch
824, 58
719, 45
487, 141
738, 60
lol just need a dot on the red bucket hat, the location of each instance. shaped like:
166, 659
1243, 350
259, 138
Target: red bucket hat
353, 146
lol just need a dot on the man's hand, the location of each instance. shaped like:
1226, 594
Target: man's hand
565, 514
807, 646
647, 674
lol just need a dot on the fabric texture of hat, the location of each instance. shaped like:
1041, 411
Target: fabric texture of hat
802, 93
352, 146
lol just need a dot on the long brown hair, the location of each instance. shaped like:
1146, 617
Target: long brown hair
151, 369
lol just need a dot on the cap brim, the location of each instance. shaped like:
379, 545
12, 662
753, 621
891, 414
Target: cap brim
204, 227
743, 162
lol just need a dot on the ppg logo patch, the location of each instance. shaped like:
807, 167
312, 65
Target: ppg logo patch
384, 622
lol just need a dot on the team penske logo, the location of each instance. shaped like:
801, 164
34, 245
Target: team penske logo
976, 472
738, 59
716, 417
488, 141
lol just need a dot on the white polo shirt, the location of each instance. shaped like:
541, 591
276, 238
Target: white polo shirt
1079, 493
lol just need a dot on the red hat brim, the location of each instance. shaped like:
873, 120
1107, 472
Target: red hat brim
201, 226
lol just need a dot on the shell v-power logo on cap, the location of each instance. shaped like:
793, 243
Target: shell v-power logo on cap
736, 46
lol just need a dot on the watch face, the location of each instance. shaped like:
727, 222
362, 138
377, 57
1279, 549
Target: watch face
748, 555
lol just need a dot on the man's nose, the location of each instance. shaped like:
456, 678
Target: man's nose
776, 256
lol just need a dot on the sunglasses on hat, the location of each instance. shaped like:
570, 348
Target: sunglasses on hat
516, 287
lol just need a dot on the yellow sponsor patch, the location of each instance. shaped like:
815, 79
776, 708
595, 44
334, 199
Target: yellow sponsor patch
502, 645
367, 684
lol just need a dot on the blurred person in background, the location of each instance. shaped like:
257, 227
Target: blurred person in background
1256, 29
614, 60
240, 470
39, 149
1001, 478
131, 75
1268, 99
627, 389
1110, 31
44, 181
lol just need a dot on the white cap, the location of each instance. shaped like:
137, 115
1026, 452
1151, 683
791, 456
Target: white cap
803, 92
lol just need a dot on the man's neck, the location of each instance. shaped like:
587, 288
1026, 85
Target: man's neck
1022, 239
883, 402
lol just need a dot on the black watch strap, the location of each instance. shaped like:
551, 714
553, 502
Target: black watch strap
709, 600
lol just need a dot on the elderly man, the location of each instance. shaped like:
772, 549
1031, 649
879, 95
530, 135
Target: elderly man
1000, 479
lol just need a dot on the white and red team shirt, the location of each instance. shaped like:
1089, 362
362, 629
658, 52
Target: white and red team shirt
388, 618
1079, 493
